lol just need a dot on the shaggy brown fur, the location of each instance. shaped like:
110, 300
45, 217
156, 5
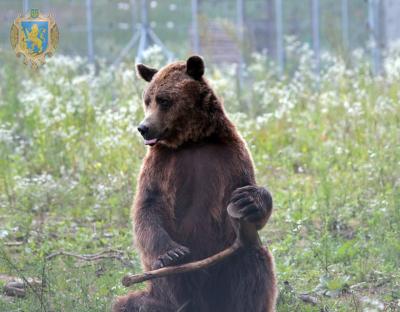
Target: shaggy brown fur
197, 165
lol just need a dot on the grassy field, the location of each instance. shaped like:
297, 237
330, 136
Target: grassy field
327, 148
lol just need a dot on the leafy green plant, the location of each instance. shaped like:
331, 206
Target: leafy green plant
327, 148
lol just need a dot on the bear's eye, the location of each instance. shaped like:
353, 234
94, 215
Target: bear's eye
147, 101
164, 102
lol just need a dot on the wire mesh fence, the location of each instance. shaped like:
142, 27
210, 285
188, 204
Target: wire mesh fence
222, 30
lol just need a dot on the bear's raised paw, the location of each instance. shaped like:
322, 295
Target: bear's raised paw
250, 203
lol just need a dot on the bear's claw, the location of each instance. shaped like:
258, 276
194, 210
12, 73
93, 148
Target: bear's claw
172, 257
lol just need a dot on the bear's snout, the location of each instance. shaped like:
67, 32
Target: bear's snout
150, 138
143, 129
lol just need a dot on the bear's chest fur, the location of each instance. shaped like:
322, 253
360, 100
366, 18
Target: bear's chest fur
199, 180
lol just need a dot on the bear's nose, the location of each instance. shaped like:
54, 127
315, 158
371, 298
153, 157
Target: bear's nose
143, 129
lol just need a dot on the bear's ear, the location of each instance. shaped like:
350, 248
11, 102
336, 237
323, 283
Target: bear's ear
145, 72
195, 67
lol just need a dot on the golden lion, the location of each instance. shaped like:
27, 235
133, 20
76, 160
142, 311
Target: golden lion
34, 37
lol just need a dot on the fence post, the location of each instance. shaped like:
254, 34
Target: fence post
239, 30
374, 32
315, 33
390, 22
239, 18
25, 6
143, 30
240, 36
133, 16
345, 24
279, 36
89, 25
195, 27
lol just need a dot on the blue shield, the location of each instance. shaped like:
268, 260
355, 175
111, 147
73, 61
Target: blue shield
35, 36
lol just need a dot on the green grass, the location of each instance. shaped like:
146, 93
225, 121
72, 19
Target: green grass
327, 149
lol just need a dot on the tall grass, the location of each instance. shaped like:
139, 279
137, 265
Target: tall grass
326, 146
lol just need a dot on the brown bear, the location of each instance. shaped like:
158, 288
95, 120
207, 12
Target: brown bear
196, 166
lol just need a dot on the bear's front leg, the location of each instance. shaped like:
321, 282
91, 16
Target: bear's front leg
156, 245
252, 204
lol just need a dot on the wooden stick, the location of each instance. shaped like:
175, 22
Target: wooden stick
11, 244
129, 280
109, 253
105, 254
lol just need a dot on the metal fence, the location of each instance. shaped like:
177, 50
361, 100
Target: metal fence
223, 30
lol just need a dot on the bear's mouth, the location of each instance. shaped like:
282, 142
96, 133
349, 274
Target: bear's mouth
150, 142
154, 141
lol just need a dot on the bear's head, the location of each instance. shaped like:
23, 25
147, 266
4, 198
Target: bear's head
179, 104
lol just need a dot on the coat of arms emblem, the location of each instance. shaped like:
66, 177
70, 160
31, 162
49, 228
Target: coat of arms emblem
34, 36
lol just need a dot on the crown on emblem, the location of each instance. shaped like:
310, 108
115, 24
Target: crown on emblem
34, 13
